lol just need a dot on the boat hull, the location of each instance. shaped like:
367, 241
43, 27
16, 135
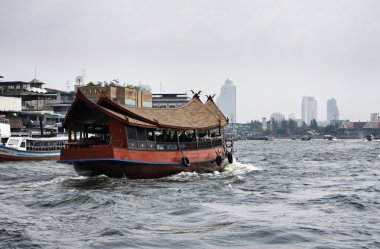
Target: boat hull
141, 170
134, 164
9, 154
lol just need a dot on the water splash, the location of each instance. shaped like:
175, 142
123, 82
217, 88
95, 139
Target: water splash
237, 168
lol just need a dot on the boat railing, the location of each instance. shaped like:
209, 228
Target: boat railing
149, 145
45, 148
173, 146
81, 145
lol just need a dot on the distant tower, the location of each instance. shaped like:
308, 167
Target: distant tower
264, 124
309, 109
332, 111
227, 100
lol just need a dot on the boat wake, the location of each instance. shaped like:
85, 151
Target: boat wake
237, 168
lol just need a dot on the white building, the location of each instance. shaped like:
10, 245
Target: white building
332, 111
375, 116
277, 117
264, 124
309, 109
227, 100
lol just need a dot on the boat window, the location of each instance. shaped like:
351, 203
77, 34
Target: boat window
131, 132
22, 145
150, 135
141, 134
12, 142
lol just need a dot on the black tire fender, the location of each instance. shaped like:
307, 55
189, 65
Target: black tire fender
185, 161
218, 160
230, 158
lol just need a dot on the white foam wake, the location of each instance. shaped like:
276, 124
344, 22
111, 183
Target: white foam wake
237, 168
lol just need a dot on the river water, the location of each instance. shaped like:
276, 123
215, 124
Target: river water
277, 194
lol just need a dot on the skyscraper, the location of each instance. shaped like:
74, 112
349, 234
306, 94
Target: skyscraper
309, 109
332, 111
227, 100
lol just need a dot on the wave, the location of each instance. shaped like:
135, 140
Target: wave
35, 184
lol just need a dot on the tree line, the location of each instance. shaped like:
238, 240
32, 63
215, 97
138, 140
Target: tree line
288, 128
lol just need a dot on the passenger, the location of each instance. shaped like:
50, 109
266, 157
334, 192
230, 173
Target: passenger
183, 137
165, 136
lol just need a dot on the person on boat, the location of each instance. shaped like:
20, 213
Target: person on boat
165, 136
183, 137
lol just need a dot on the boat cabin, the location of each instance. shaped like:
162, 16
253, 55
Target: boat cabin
36, 144
193, 126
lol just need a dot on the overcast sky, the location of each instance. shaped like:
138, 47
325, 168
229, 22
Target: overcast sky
274, 51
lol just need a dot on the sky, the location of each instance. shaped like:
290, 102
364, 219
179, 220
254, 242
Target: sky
275, 52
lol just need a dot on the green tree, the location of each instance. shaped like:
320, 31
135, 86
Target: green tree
255, 125
331, 130
293, 126
314, 124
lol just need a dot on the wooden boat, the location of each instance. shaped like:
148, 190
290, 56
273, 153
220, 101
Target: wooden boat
30, 148
119, 141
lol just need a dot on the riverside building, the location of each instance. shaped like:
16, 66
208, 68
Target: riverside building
309, 109
169, 100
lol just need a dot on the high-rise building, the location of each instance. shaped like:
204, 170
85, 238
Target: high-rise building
375, 116
332, 111
309, 109
264, 124
227, 100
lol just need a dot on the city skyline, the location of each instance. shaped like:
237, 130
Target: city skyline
275, 51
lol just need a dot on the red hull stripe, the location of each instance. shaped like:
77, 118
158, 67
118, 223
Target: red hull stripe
127, 161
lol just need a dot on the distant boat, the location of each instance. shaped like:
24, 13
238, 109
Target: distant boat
306, 138
369, 137
329, 137
30, 148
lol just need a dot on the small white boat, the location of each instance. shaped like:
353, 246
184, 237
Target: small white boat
5, 129
329, 137
30, 148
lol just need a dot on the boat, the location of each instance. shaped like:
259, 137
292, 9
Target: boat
329, 137
31, 148
369, 137
5, 129
306, 138
108, 138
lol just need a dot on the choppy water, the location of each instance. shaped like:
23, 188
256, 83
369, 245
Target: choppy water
279, 194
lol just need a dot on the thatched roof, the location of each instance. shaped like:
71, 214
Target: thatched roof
193, 116
210, 104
